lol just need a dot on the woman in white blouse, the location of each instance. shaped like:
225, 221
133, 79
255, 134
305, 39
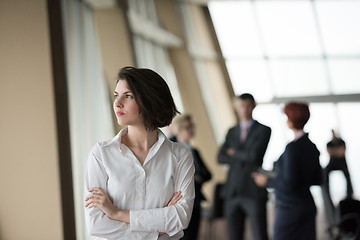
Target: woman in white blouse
140, 185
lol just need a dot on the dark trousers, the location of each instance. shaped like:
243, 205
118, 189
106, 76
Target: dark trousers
298, 224
191, 232
237, 209
339, 164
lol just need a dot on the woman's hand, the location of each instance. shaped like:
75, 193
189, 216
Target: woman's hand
176, 197
260, 179
98, 198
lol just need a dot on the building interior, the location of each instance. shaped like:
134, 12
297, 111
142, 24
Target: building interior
59, 61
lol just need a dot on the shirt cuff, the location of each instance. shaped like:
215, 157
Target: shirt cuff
149, 220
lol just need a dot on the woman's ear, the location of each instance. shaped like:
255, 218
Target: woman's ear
290, 124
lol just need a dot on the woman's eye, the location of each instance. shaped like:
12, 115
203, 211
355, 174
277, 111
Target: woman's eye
129, 96
116, 96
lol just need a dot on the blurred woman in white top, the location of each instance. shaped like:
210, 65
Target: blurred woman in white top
140, 185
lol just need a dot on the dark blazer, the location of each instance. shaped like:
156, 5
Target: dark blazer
297, 169
248, 157
202, 174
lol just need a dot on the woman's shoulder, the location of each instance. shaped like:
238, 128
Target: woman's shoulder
302, 145
292, 146
105, 144
177, 149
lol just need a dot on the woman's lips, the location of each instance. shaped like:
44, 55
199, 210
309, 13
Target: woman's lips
119, 113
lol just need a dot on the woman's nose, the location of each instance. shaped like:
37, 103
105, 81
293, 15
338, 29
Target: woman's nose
118, 103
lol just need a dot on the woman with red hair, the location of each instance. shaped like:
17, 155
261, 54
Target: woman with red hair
297, 169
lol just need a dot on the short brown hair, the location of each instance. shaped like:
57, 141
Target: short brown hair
179, 120
298, 113
152, 94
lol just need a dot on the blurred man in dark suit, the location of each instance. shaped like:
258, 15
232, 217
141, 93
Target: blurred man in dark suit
243, 150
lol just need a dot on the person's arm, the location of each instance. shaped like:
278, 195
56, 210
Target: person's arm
171, 219
288, 176
260, 179
108, 221
99, 198
227, 150
249, 153
98, 224
202, 174
254, 150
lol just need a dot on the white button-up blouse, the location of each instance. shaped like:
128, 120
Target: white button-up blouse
145, 189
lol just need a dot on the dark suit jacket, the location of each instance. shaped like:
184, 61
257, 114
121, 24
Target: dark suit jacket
297, 169
202, 174
248, 157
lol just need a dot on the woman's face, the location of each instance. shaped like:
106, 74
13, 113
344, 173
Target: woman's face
186, 130
125, 107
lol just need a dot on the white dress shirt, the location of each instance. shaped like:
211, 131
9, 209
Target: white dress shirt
244, 129
145, 189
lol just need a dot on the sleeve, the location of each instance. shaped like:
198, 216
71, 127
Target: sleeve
223, 157
172, 219
250, 153
288, 175
318, 177
256, 149
202, 173
98, 224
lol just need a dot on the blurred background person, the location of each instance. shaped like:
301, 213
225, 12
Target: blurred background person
297, 169
243, 150
336, 149
184, 130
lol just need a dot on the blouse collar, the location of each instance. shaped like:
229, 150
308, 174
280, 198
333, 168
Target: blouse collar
299, 134
153, 150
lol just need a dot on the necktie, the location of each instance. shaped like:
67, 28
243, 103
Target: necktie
243, 134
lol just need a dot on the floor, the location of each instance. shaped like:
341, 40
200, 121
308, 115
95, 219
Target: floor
217, 229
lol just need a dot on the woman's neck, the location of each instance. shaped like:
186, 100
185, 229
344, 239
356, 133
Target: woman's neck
295, 131
298, 133
140, 138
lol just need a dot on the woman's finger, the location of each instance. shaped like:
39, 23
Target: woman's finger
178, 198
175, 198
93, 196
90, 196
88, 203
96, 190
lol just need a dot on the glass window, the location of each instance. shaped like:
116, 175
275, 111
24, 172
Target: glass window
323, 118
345, 75
236, 29
349, 129
340, 26
247, 76
305, 48
288, 28
271, 115
299, 77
